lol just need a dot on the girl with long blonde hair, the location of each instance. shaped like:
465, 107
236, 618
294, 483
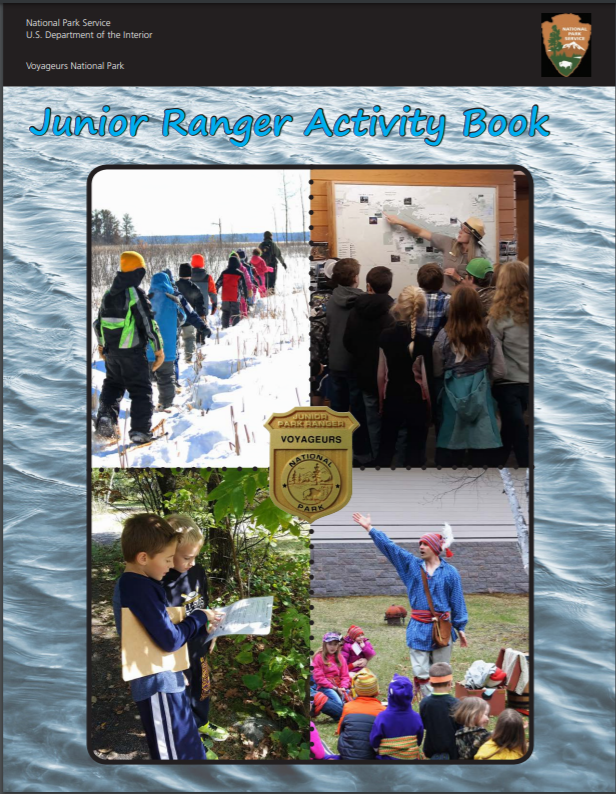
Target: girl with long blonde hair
509, 323
403, 380
466, 357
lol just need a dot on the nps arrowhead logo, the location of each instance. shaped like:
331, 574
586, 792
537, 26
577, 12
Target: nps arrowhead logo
566, 41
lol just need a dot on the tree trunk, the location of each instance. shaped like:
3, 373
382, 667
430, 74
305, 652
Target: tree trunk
518, 516
221, 545
167, 483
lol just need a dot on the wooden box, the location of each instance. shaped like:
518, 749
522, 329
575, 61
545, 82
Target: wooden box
497, 701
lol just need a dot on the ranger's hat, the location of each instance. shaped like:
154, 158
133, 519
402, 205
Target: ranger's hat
476, 226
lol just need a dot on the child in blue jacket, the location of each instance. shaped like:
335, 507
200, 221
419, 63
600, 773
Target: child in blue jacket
148, 546
167, 310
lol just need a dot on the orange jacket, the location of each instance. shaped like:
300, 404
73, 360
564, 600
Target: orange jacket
361, 705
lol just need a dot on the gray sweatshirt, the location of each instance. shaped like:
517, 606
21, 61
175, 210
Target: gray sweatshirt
514, 340
444, 358
339, 306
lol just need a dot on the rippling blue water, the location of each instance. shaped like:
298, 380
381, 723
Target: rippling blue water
45, 419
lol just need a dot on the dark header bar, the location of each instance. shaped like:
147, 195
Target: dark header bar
445, 44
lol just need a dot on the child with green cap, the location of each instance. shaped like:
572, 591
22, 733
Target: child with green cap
479, 274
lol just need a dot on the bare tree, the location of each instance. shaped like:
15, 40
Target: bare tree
518, 516
285, 196
463, 480
301, 198
275, 222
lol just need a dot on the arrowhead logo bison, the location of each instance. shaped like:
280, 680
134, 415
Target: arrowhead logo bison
566, 41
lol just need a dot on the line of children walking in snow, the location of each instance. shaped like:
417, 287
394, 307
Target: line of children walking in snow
138, 334
344, 689
426, 357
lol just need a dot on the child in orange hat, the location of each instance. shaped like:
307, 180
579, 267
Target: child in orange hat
124, 327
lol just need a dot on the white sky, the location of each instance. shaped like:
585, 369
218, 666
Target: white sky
169, 202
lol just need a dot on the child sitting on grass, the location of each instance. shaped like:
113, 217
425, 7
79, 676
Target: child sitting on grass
357, 650
398, 731
331, 673
358, 717
436, 714
149, 544
186, 585
507, 742
473, 714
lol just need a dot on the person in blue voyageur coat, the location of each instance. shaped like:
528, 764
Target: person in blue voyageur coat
445, 587
167, 309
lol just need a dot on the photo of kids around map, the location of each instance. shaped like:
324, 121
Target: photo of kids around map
199, 618
420, 602
199, 293
420, 312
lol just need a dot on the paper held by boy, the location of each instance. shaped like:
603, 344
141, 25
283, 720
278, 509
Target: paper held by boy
141, 656
311, 460
248, 616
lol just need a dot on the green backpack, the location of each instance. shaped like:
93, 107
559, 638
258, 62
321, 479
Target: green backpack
120, 330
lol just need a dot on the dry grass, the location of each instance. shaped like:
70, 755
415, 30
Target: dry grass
495, 621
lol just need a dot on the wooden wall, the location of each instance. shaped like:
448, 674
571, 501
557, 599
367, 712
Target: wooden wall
522, 211
503, 179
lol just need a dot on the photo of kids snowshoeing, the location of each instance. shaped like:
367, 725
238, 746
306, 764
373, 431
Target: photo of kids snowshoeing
197, 337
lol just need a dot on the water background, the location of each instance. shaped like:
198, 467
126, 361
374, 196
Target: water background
46, 464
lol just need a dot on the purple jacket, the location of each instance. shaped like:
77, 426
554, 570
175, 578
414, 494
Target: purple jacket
350, 656
399, 719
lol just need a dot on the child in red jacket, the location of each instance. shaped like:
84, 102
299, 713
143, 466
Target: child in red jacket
357, 650
234, 288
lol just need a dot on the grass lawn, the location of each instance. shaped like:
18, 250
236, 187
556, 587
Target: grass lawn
495, 621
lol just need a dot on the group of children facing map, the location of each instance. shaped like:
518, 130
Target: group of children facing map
447, 351
344, 688
160, 571
138, 334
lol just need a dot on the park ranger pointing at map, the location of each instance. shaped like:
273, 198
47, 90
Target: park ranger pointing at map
434, 590
457, 252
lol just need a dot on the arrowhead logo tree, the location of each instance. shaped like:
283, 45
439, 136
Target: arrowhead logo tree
566, 41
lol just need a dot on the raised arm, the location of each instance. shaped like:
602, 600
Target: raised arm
413, 228
405, 563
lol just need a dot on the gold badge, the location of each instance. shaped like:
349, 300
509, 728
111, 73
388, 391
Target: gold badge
311, 460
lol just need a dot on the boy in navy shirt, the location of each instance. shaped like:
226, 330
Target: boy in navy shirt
148, 545
436, 713
186, 585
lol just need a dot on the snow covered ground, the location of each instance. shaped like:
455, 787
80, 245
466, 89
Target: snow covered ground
246, 373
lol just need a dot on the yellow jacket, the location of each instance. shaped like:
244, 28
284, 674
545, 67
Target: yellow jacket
489, 751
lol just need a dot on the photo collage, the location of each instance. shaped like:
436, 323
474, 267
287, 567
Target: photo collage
311, 494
